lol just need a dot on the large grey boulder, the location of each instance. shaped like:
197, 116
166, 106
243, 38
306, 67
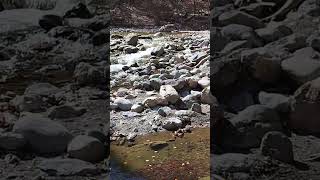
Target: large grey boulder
291, 43
86, 74
43, 135
65, 111
172, 124
50, 21
240, 32
41, 89
29, 103
273, 32
86, 148
278, 146
279, 102
304, 115
238, 17
133, 40
247, 128
169, 93
303, 66
123, 104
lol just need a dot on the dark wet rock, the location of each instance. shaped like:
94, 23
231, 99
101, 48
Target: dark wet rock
68, 167
86, 74
41, 89
158, 51
130, 50
12, 159
234, 45
65, 111
155, 83
50, 21
177, 84
314, 42
247, 128
310, 7
291, 43
240, 32
86, 148
217, 177
303, 66
133, 40
1, 7
196, 108
29, 103
43, 135
265, 69
70, 33
238, 17
221, 41
217, 11
224, 73
221, 2
306, 102
12, 141
249, 56
172, 124
279, 102
239, 100
278, 146
232, 163
158, 145
98, 135
4, 56
259, 10
100, 38
98, 23
79, 11
273, 32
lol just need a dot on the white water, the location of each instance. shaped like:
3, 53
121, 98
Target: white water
140, 57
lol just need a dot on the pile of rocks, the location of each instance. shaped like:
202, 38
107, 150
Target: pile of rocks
265, 75
162, 82
54, 97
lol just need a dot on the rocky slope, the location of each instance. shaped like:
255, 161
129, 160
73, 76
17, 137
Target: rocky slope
159, 81
265, 75
54, 95
186, 15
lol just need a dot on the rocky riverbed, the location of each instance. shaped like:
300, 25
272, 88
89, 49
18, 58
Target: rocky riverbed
54, 93
159, 82
265, 74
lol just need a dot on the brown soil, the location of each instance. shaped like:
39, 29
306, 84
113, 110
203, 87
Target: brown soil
152, 14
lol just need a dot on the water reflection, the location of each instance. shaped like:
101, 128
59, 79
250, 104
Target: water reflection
118, 174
